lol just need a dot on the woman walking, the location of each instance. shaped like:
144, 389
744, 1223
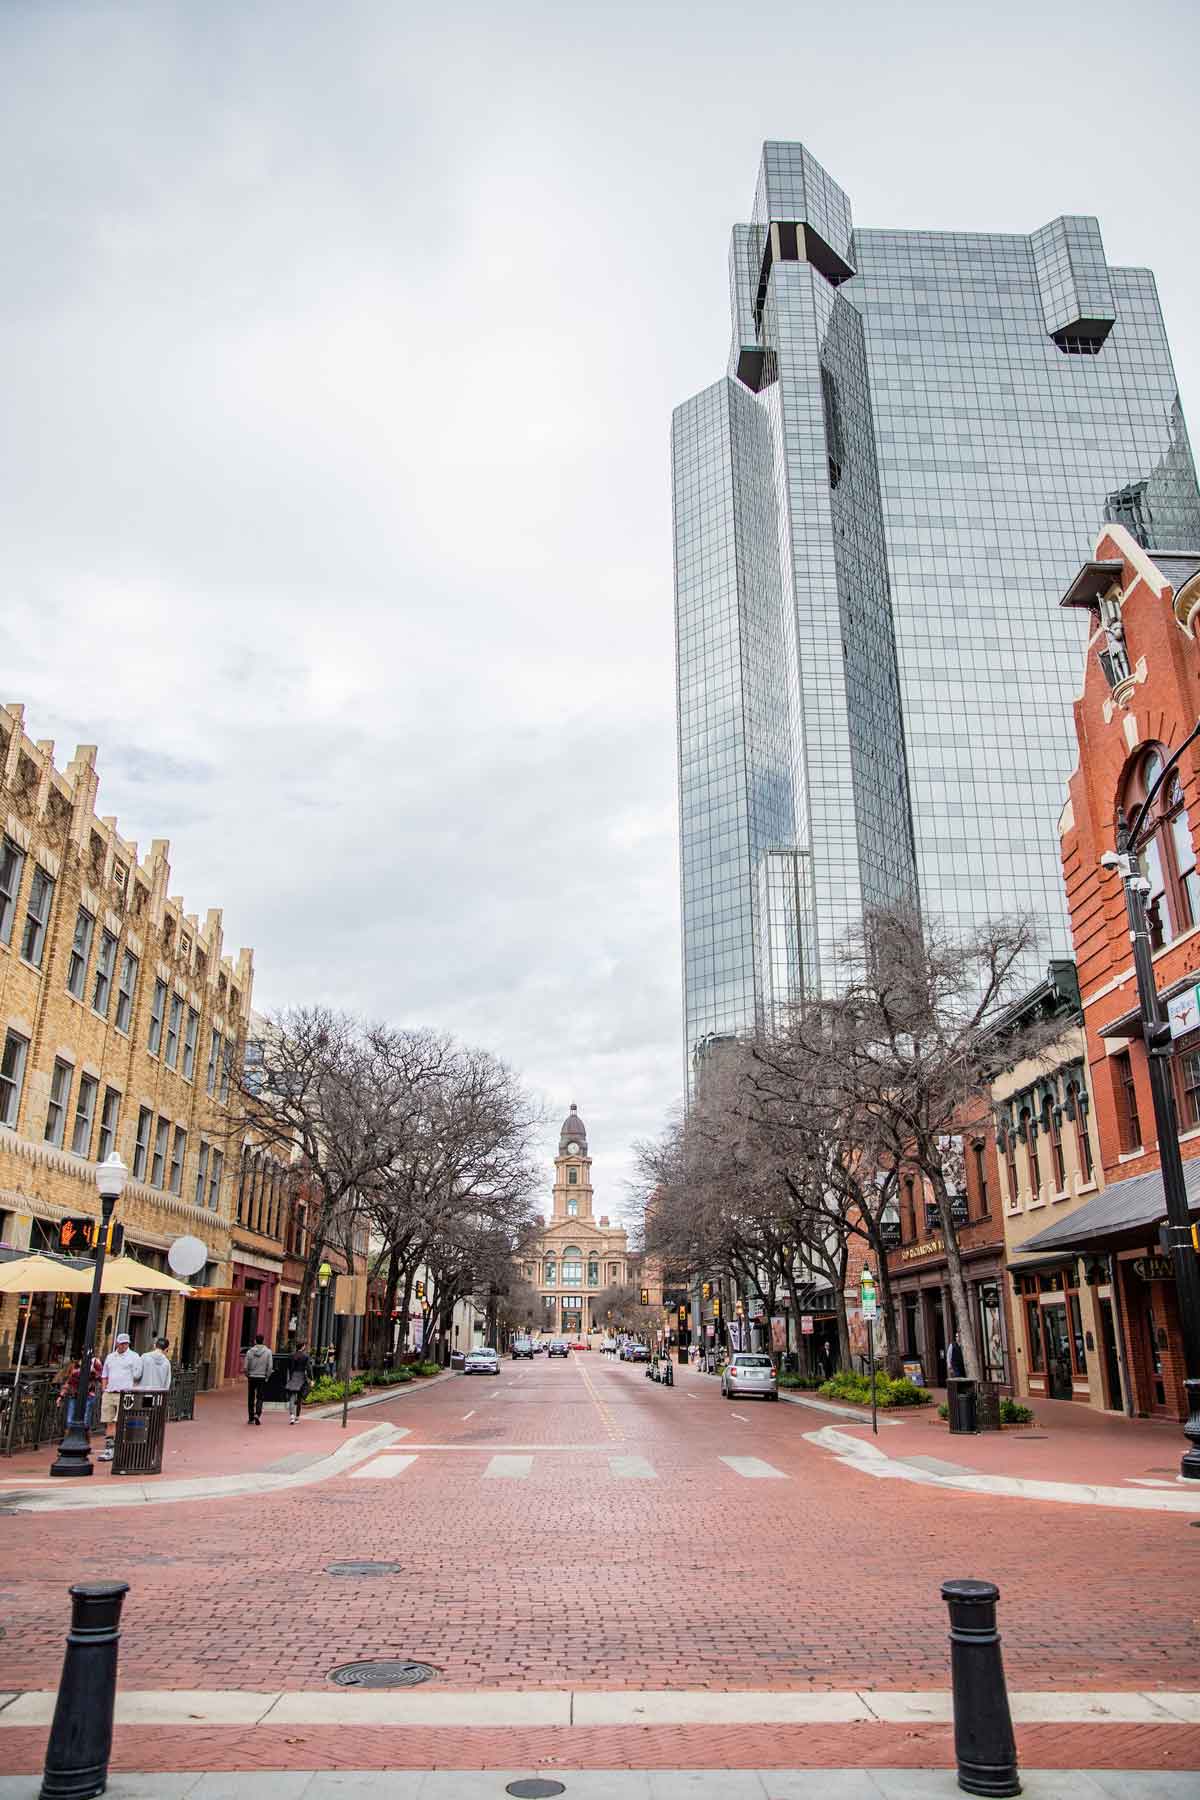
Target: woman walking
298, 1381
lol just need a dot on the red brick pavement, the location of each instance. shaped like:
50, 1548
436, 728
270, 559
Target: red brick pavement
153, 1750
574, 1578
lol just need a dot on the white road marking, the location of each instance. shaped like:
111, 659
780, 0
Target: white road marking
631, 1468
741, 1416
380, 1468
753, 1468
469, 1415
508, 1468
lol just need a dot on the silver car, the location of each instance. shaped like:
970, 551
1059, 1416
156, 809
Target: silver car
746, 1373
482, 1362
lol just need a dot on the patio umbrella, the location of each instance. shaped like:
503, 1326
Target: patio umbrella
42, 1275
141, 1277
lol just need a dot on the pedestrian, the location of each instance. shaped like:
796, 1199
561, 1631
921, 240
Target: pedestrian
120, 1374
297, 1382
70, 1388
156, 1369
956, 1367
257, 1364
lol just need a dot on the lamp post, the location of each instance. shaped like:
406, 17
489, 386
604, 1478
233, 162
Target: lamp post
1156, 1032
75, 1451
324, 1277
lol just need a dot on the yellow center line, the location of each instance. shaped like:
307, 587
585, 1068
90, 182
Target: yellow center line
606, 1418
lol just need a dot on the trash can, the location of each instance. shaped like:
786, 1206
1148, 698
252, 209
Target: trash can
141, 1426
960, 1394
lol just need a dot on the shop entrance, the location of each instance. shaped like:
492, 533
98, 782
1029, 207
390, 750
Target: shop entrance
1112, 1363
935, 1338
1153, 1336
1058, 1350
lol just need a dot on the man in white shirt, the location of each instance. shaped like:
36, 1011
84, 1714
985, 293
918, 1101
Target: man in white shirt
156, 1369
121, 1374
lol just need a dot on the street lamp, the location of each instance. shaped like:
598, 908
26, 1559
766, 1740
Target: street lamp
1156, 1032
324, 1277
74, 1453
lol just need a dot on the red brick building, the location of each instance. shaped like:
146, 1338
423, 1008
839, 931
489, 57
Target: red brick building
1140, 699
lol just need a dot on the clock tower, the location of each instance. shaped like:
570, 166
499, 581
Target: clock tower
573, 1170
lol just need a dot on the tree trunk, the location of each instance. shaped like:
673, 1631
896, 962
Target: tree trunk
964, 1324
887, 1306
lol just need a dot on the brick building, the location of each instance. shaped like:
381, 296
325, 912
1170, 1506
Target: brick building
1140, 698
121, 1018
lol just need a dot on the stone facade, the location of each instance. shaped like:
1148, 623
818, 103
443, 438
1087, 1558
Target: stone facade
577, 1255
122, 1023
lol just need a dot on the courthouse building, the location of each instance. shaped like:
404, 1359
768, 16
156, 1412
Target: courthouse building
121, 1020
576, 1255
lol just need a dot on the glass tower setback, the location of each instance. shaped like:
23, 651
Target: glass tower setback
876, 513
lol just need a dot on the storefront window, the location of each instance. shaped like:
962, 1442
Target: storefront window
1077, 1335
991, 1330
1033, 1322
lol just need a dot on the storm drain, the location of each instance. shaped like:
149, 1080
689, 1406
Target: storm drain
363, 1568
382, 1674
534, 1788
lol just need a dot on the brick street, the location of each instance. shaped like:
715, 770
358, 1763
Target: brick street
572, 1525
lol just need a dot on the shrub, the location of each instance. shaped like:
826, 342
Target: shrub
427, 1368
846, 1385
388, 1377
327, 1389
800, 1381
1013, 1413
943, 1410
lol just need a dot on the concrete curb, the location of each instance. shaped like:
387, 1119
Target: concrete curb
57, 1498
402, 1390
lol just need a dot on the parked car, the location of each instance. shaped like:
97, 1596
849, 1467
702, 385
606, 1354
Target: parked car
746, 1373
540, 1346
482, 1362
558, 1347
635, 1353
522, 1346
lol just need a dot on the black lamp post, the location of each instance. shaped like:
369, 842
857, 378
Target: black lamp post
1156, 1032
75, 1451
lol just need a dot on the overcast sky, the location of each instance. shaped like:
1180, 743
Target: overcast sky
339, 348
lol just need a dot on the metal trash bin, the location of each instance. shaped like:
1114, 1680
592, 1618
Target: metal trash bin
141, 1427
960, 1394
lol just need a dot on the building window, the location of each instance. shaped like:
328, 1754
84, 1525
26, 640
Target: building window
178, 1152
1168, 856
37, 916
593, 1274
572, 1177
174, 1020
81, 949
85, 1112
158, 1007
141, 1144
60, 1099
214, 1057
908, 1210
572, 1267
572, 1208
126, 988
189, 1043
1125, 1094
983, 1201
12, 865
1058, 1160
550, 1276
225, 1063
1187, 1084
110, 1112
105, 962
1033, 1162
201, 1172
158, 1166
216, 1166
12, 1072
1033, 1327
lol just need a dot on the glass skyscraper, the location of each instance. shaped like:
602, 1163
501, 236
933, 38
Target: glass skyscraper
876, 512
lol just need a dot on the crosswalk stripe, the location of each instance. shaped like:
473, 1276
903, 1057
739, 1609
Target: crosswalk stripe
381, 1468
753, 1468
508, 1468
631, 1468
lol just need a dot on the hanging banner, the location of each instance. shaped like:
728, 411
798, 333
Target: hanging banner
779, 1334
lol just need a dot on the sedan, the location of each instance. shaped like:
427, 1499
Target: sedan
635, 1353
558, 1347
748, 1374
522, 1346
482, 1362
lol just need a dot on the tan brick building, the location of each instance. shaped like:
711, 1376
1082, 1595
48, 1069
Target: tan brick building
121, 1022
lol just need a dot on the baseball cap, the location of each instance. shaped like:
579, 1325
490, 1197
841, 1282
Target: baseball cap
122, 1337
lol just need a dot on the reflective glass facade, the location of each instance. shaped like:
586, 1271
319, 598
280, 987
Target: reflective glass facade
876, 512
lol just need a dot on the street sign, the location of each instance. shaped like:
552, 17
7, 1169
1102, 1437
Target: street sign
350, 1295
869, 1303
806, 1324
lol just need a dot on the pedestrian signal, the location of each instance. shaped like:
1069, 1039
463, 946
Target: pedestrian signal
716, 1306
683, 1312
420, 1290
79, 1237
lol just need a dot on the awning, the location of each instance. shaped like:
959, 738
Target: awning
1127, 1213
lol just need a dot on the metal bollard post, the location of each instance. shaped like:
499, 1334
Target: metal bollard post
81, 1735
984, 1745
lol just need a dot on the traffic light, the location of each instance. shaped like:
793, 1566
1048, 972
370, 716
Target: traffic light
706, 1290
683, 1312
645, 1296
739, 1309
420, 1290
78, 1237
716, 1306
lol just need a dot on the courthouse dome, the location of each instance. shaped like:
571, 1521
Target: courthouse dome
574, 1131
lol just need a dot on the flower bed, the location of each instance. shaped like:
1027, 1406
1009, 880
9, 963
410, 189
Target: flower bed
888, 1393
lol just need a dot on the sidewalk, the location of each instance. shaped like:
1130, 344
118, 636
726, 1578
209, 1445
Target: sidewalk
1082, 1454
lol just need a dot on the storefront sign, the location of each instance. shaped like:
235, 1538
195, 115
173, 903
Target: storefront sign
1183, 1012
913, 1252
806, 1324
1153, 1268
914, 1373
215, 1293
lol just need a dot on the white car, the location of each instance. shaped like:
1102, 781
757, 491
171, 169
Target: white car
749, 1374
482, 1362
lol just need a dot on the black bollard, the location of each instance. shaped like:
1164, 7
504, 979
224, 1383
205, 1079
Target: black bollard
983, 1735
81, 1735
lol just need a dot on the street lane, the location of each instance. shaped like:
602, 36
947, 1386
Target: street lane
571, 1524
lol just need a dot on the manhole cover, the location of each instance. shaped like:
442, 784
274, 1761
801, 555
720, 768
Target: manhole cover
383, 1674
536, 1788
363, 1568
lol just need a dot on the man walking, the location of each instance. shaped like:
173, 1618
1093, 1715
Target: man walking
258, 1365
156, 1369
121, 1373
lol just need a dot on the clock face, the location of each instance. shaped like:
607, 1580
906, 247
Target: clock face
573, 1147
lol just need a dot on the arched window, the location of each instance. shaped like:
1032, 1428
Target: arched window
593, 1272
572, 1266
572, 1208
1168, 855
550, 1274
1077, 1111
1029, 1134
1053, 1122
572, 1177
